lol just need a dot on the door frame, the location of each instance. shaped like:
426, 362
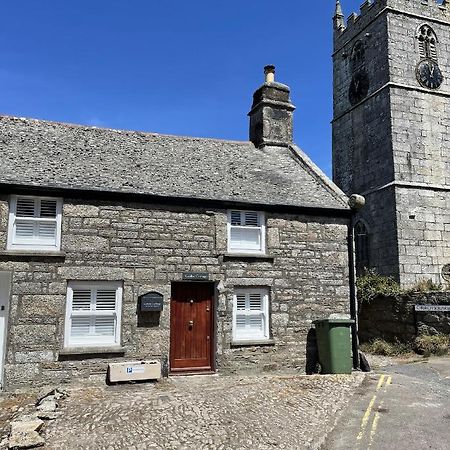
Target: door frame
213, 346
5, 283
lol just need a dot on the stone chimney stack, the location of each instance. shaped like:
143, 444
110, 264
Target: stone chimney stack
271, 116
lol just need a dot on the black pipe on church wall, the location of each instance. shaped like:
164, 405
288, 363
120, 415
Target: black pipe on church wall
353, 297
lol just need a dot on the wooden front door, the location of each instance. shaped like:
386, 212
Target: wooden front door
191, 327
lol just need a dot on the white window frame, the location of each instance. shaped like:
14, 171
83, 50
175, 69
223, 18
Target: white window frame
12, 244
95, 342
262, 231
249, 337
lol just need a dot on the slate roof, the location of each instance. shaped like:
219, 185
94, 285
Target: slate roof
48, 154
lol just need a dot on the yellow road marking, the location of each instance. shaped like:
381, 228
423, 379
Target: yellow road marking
366, 417
373, 431
380, 382
388, 383
385, 381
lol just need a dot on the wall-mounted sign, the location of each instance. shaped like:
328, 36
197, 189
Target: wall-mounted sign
195, 276
446, 272
152, 301
432, 308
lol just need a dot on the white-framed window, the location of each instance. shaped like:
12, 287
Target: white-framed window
34, 223
251, 314
93, 314
246, 232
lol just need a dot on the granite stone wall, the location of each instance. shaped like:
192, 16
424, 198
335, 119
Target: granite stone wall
149, 246
394, 319
393, 147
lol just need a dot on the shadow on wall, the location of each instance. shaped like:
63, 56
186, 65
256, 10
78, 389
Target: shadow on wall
148, 319
312, 355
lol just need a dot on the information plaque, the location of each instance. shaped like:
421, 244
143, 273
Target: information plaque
152, 301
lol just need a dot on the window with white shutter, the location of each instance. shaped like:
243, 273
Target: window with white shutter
93, 314
34, 223
246, 232
250, 314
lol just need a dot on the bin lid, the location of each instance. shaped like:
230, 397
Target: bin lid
335, 321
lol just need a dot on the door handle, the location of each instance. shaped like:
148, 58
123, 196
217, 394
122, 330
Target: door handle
191, 323
2, 307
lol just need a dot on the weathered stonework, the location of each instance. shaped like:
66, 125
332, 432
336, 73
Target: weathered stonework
396, 319
148, 246
393, 146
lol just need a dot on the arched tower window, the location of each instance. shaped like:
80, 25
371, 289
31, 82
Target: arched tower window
358, 56
361, 247
427, 42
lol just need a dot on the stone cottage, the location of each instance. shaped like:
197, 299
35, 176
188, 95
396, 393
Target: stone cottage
207, 255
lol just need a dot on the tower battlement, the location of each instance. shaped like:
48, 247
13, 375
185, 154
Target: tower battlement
369, 10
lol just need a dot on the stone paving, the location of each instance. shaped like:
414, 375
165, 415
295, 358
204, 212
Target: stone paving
203, 412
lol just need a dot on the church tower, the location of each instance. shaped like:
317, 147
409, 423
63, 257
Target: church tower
391, 133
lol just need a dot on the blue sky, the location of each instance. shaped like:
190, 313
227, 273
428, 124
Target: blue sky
172, 66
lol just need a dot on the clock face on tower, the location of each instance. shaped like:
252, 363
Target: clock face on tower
359, 87
428, 74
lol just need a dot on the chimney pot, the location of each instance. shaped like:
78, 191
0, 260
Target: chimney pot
269, 72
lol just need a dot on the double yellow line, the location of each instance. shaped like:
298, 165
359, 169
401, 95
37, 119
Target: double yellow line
383, 383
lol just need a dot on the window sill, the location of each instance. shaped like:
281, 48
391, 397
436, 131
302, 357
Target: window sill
90, 352
31, 254
253, 343
248, 257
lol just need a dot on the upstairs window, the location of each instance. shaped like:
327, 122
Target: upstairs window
34, 223
427, 43
93, 314
246, 232
251, 314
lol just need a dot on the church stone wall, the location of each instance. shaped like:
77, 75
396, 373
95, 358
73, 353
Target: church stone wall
424, 234
149, 246
394, 147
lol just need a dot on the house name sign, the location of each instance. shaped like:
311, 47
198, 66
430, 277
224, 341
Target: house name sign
195, 276
152, 301
432, 308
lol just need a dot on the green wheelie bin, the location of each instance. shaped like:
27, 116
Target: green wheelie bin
334, 345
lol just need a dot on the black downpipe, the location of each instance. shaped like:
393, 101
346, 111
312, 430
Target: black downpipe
353, 297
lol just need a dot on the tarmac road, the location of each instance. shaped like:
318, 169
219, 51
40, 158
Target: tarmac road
401, 407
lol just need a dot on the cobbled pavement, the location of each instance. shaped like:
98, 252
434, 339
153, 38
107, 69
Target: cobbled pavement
203, 412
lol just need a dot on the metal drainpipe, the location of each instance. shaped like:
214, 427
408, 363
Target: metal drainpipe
353, 299
356, 202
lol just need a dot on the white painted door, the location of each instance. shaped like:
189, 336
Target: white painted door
5, 286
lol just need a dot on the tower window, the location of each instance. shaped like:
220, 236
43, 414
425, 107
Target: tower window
361, 247
427, 43
358, 56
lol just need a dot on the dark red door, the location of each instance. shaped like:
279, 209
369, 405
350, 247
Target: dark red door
191, 327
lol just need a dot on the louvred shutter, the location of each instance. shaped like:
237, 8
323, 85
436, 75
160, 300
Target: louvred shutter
105, 301
26, 207
81, 300
105, 326
80, 327
255, 321
93, 316
241, 318
250, 320
245, 231
35, 222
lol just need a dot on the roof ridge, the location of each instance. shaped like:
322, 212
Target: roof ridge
121, 130
319, 175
